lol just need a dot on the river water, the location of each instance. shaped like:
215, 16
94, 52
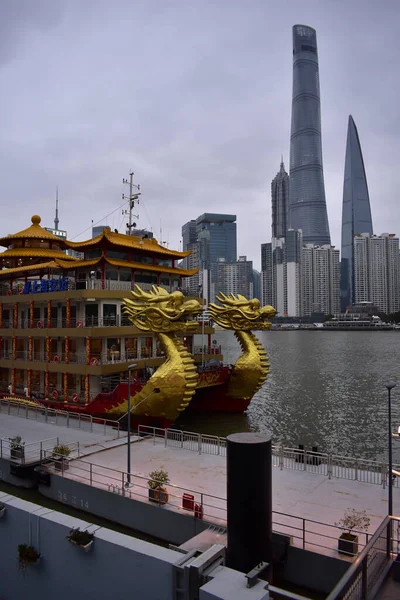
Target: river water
325, 389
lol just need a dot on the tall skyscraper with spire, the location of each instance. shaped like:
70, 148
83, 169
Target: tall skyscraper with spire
280, 203
356, 212
307, 204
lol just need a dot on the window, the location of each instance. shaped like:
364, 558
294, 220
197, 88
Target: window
113, 275
145, 278
142, 258
124, 275
164, 262
117, 254
93, 254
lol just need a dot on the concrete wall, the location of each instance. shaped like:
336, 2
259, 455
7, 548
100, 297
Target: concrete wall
314, 571
162, 522
117, 566
5, 474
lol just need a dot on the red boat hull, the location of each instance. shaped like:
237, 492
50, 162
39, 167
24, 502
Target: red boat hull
211, 395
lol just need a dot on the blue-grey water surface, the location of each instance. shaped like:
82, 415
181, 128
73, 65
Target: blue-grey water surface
325, 389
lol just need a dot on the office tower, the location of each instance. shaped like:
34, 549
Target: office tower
267, 277
233, 277
211, 237
307, 205
356, 212
218, 233
280, 203
376, 271
257, 284
320, 274
281, 274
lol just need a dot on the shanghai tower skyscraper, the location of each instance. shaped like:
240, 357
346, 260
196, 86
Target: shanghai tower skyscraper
307, 204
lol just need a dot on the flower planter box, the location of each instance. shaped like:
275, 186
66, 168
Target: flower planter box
61, 464
17, 453
158, 495
85, 547
348, 544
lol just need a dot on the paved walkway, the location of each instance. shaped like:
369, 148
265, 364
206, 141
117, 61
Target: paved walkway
90, 436
299, 495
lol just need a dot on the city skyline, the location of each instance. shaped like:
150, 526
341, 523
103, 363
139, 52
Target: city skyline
198, 107
307, 203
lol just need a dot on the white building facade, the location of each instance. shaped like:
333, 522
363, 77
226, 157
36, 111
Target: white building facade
320, 279
377, 270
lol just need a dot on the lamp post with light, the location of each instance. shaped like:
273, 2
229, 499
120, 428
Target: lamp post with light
389, 386
128, 463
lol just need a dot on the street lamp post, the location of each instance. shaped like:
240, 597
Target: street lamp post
128, 463
389, 386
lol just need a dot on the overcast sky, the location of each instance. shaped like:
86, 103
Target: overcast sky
195, 97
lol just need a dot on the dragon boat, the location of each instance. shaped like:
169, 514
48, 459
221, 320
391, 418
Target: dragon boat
78, 318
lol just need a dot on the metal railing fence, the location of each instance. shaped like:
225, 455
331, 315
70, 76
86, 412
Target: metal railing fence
304, 533
320, 463
23, 453
62, 418
368, 571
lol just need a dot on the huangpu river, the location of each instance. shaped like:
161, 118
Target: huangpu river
324, 389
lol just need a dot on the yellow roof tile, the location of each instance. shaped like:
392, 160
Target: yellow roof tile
34, 231
128, 241
36, 253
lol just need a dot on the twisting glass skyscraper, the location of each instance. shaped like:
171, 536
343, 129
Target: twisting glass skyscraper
307, 205
356, 212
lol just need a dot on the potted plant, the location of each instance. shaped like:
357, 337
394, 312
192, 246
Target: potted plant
59, 454
17, 450
157, 491
28, 555
83, 539
352, 520
3, 509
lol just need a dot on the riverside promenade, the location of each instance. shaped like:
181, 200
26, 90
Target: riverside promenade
309, 495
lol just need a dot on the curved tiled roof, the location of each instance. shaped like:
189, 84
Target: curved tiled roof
128, 241
34, 231
36, 253
24, 268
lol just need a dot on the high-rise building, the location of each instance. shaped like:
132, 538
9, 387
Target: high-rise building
280, 203
376, 271
307, 204
267, 277
233, 277
281, 274
256, 284
320, 275
211, 237
356, 212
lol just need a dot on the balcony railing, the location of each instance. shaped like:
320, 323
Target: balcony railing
75, 322
96, 358
94, 284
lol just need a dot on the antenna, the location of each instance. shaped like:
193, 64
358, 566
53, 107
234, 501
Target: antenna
56, 220
131, 199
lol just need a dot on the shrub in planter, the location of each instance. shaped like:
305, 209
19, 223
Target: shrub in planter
59, 455
157, 491
27, 555
17, 450
356, 520
84, 539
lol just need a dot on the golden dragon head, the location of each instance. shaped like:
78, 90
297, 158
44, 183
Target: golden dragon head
239, 313
161, 311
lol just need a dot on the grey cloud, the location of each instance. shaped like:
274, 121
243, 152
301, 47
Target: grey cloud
196, 98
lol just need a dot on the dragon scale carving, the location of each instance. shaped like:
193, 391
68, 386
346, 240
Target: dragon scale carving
252, 367
171, 387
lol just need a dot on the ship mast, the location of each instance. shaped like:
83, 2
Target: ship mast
132, 198
56, 220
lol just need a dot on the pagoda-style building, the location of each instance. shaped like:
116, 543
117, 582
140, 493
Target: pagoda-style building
63, 336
